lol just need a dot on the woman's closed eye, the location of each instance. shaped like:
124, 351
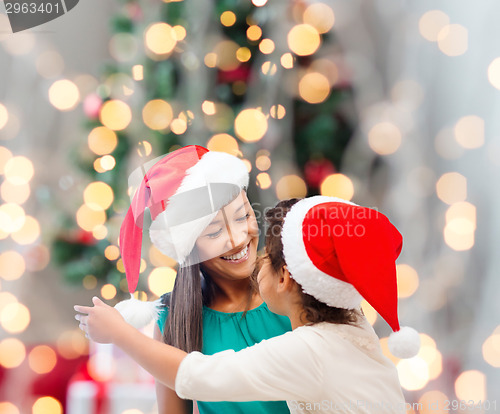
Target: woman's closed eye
214, 235
244, 218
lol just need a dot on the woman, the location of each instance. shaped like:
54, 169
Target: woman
203, 219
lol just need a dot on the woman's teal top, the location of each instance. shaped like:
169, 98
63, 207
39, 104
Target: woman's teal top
223, 331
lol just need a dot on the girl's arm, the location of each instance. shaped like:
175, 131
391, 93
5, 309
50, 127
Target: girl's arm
168, 401
104, 324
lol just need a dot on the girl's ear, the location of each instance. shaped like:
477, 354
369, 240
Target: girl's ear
285, 282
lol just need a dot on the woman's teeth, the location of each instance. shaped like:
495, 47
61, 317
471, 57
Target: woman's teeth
238, 255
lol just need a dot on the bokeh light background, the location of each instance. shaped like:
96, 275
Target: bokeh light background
425, 151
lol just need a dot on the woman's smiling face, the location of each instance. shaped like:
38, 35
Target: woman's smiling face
228, 246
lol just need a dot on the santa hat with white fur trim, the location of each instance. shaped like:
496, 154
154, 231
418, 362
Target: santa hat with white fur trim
184, 192
340, 253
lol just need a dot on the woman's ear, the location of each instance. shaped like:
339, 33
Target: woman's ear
285, 282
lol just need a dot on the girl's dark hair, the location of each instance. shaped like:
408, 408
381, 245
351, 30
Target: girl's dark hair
314, 310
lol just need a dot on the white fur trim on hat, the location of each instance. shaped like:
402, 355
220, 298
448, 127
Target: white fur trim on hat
177, 241
325, 288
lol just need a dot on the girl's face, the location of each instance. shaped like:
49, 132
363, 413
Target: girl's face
228, 246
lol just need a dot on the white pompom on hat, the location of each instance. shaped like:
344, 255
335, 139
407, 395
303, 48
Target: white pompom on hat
184, 192
340, 253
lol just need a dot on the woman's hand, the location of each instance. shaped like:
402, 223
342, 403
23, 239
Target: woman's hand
100, 322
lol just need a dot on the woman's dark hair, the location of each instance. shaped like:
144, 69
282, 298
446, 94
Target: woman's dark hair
314, 310
193, 289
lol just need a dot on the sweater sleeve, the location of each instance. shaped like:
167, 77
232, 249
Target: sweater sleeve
280, 368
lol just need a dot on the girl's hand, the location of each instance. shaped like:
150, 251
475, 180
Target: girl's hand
100, 322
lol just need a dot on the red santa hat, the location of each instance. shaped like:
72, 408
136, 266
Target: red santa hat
340, 253
184, 192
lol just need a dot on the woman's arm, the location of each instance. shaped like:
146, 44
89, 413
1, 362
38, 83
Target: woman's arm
104, 324
168, 401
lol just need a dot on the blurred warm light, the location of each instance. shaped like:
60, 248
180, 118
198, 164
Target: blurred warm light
493, 73
157, 114
320, 16
223, 143
6, 298
29, 233
263, 162
120, 266
160, 38
491, 350
19, 170
451, 188
132, 411
208, 107
225, 52
5, 155
88, 218
277, 111
462, 210
112, 252
144, 149
250, 125
37, 258
15, 318
314, 87
291, 186
413, 373
97, 166
453, 40
259, 3
8, 408
12, 193
287, 60
72, 344
161, 280
42, 359
471, 386
254, 33
303, 39
12, 353
384, 138
89, 282
431, 23
4, 116
263, 180
178, 126
108, 291
248, 164
158, 259
64, 95
115, 115
407, 278
12, 265
98, 196
228, 18
384, 344
210, 60
269, 68
469, 131
47, 405
266, 46
337, 185
459, 234
102, 140
446, 145
12, 217
138, 72
100, 232
243, 54
108, 162
180, 32
434, 402
370, 313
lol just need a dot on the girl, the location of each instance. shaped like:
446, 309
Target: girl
214, 306
323, 255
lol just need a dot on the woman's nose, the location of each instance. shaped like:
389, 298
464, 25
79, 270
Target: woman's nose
236, 236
